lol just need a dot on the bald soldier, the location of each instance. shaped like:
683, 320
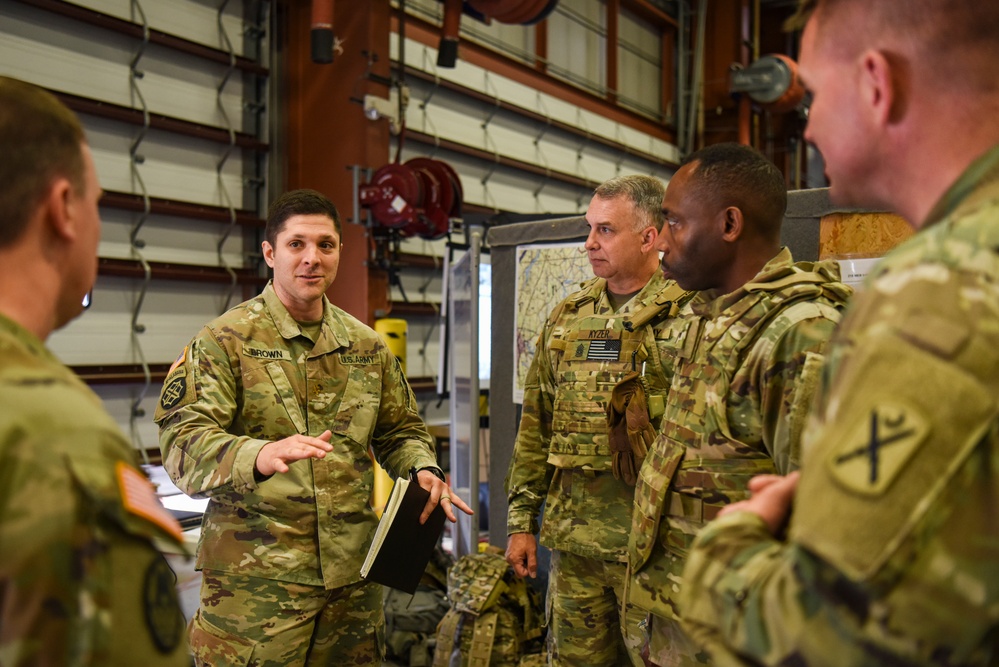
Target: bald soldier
616, 328
892, 551
81, 581
749, 358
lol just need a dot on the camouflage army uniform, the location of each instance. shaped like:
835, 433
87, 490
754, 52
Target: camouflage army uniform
562, 452
298, 539
81, 582
894, 544
748, 364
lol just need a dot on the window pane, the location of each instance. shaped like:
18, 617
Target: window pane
577, 44
639, 65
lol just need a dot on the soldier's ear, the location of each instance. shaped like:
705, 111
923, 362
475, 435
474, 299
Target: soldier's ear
732, 223
649, 236
59, 207
268, 253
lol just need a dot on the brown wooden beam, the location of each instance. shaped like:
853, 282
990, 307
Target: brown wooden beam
326, 134
613, 8
413, 309
651, 13
541, 47
501, 160
481, 56
409, 260
132, 116
106, 374
668, 70
120, 373
130, 268
135, 30
478, 208
529, 114
130, 202
422, 385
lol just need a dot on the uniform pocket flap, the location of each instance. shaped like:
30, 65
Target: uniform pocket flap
212, 645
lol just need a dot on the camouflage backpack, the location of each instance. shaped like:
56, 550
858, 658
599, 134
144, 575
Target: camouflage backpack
411, 620
495, 617
410, 624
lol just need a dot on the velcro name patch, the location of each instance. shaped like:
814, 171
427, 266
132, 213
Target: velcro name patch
358, 359
266, 353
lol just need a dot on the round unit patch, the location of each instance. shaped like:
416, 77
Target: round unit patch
163, 615
173, 392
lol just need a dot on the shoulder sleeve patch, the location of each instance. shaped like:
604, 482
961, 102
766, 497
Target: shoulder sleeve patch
139, 498
178, 361
178, 390
877, 449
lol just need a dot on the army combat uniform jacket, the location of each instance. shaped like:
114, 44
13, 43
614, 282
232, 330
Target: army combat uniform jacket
583, 351
252, 376
81, 582
893, 550
748, 364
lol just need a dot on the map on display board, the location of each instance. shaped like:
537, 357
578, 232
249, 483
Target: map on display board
546, 274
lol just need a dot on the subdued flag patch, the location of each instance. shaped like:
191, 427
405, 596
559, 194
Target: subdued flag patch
604, 350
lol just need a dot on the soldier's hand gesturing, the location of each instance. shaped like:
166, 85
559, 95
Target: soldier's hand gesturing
440, 493
275, 456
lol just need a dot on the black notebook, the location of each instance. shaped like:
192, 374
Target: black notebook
401, 547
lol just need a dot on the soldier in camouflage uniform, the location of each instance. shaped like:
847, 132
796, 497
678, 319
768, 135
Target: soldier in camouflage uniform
81, 581
617, 323
270, 413
750, 355
892, 553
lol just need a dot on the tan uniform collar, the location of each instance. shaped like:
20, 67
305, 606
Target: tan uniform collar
29, 340
333, 334
711, 304
967, 191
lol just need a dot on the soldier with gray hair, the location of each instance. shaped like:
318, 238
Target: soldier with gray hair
581, 439
81, 579
891, 555
270, 413
749, 358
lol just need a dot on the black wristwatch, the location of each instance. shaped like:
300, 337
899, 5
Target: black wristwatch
438, 473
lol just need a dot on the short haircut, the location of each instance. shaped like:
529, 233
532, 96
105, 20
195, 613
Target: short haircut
299, 202
731, 174
645, 192
957, 41
40, 141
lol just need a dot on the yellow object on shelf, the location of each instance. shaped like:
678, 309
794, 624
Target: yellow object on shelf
395, 333
381, 490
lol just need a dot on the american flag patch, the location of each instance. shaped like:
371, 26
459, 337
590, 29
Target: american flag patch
139, 498
604, 350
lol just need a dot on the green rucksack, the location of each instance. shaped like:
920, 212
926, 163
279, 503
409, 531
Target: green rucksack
411, 620
495, 617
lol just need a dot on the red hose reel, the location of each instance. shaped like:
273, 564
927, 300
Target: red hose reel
417, 198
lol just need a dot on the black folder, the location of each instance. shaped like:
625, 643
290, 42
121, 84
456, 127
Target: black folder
401, 547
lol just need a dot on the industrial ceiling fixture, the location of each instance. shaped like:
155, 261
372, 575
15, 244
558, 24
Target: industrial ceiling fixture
524, 12
772, 81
